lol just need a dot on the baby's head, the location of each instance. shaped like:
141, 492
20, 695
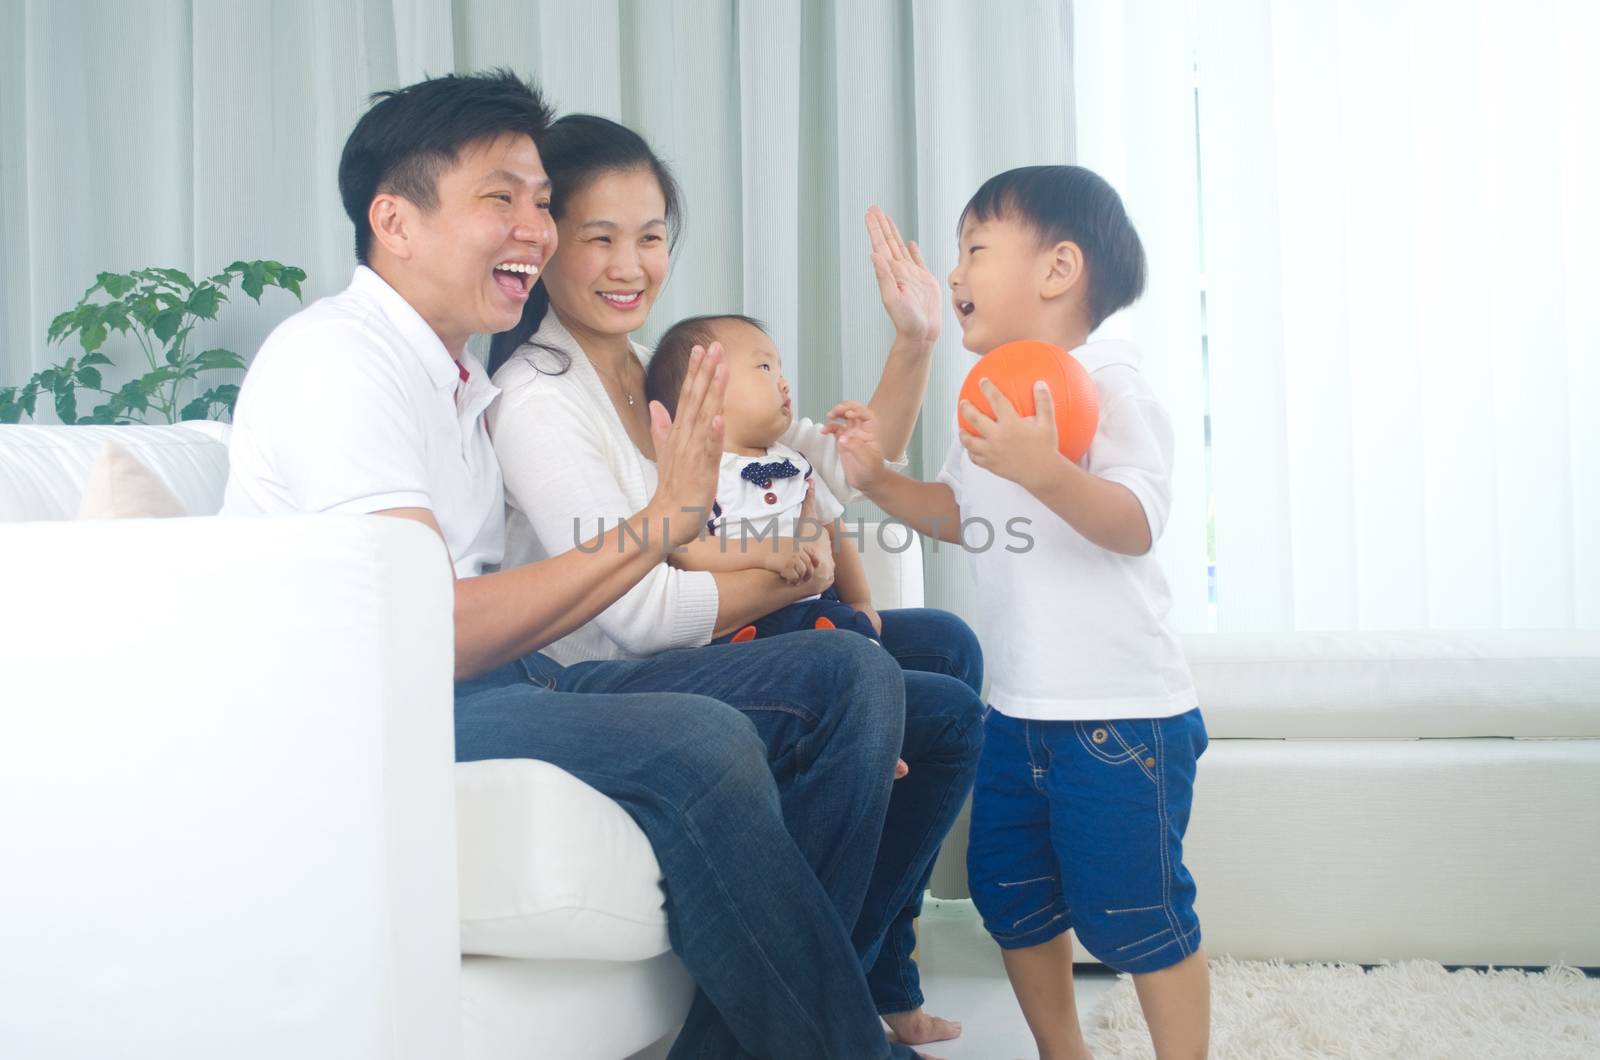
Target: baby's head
1046, 252
757, 410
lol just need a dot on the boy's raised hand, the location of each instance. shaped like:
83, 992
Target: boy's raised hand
911, 295
689, 448
1020, 448
854, 426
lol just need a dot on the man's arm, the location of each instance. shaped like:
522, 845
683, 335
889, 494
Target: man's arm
502, 616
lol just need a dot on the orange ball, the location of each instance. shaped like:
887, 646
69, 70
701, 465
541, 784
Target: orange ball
1015, 367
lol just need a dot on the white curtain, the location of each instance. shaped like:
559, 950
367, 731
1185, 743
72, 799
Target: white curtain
195, 132
1392, 223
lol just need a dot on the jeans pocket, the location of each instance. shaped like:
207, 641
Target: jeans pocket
1116, 743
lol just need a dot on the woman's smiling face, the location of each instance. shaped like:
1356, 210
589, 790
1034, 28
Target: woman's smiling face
613, 259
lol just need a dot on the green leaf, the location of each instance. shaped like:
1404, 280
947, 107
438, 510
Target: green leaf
205, 301
60, 324
195, 410
10, 410
91, 360
67, 404
218, 359
30, 396
166, 324
227, 394
89, 377
94, 336
151, 382
174, 277
255, 278
117, 284
133, 396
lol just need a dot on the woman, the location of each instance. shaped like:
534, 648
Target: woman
572, 432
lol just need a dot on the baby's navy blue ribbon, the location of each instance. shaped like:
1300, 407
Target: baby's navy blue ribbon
761, 475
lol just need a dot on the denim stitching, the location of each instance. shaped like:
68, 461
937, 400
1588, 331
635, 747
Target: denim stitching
1095, 752
1179, 940
1019, 883
1133, 755
1147, 938
1016, 924
1161, 824
1141, 909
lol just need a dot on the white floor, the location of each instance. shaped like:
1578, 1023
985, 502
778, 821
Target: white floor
963, 979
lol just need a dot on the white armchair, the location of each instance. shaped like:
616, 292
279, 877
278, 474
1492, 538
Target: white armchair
230, 810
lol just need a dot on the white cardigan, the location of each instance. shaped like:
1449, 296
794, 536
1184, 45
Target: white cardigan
569, 464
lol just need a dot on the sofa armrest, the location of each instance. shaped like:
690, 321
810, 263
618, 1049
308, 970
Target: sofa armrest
226, 787
892, 555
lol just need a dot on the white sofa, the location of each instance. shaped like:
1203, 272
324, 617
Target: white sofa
1370, 797
232, 825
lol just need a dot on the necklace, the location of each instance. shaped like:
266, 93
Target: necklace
627, 391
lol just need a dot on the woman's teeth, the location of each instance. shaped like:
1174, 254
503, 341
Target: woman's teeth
622, 300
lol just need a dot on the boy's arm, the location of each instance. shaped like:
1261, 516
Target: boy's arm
912, 297
929, 508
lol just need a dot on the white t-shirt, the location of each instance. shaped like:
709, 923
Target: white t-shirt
1070, 630
572, 471
745, 506
353, 405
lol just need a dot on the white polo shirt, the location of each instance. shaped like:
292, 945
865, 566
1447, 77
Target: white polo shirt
748, 503
353, 405
1072, 631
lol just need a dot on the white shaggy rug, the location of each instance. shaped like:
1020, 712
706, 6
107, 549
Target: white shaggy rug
1415, 1010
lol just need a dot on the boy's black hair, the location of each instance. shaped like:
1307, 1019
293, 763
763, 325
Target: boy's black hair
577, 150
413, 134
1070, 203
669, 365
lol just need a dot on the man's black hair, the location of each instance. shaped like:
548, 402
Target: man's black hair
413, 134
1071, 204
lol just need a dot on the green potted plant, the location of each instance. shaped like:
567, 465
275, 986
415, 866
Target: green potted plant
159, 308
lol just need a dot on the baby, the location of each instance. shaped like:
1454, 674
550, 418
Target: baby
770, 510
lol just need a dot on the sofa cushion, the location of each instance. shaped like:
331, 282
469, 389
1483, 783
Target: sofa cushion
549, 867
1508, 683
43, 470
120, 487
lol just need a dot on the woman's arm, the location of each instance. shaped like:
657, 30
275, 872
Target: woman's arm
501, 616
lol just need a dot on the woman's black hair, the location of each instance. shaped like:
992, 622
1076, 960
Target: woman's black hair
413, 134
1071, 204
577, 150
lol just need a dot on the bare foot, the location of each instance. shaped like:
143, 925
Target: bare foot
915, 1027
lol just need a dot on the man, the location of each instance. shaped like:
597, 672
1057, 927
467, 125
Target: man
367, 402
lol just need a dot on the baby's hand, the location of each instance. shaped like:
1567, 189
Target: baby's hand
788, 562
855, 427
900, 768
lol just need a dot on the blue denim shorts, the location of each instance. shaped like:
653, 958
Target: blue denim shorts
1079, 824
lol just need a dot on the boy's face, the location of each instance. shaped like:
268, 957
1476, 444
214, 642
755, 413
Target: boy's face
466, 261
757, 409
997, 284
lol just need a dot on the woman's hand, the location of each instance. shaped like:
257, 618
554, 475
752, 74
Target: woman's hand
910, 293
689, 448
855, 427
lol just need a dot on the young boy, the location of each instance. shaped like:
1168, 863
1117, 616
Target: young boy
1084, 786
770, 511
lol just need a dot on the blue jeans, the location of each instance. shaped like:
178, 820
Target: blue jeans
943, 668
761, 774
1080, 824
